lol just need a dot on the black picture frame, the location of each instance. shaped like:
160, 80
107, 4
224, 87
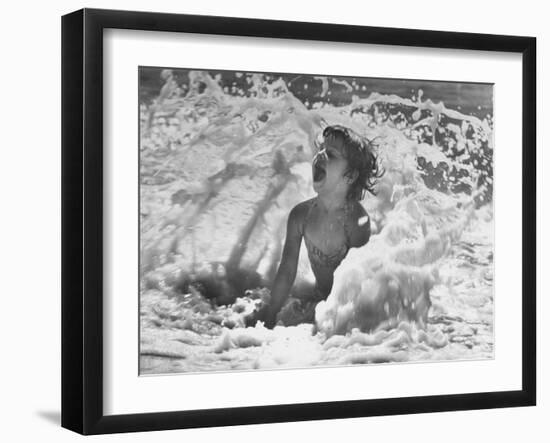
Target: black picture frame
82, 220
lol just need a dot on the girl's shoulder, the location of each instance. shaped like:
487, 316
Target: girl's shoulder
360, 225
300, 213
302, 209
355, 210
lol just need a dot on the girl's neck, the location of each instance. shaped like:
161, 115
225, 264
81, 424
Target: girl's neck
331, 203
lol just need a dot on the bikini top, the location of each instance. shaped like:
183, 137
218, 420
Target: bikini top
317, 257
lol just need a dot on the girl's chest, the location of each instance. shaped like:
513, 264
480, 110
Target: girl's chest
329, 234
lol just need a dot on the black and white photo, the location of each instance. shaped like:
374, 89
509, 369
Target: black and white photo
303, 220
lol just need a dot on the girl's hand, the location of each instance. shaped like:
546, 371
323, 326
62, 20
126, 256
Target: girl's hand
270, 320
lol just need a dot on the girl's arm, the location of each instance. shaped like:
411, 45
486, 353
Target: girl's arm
287, 268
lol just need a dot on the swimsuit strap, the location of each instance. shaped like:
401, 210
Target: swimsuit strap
345, 225
311, 204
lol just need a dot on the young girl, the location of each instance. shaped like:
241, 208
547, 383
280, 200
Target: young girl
330, 224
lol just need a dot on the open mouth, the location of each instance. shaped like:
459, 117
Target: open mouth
319, 172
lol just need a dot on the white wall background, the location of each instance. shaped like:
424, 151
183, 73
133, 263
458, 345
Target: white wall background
30, 219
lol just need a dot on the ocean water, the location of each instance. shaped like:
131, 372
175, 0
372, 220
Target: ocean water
221, 166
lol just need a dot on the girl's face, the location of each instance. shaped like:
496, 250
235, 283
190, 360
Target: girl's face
329, 166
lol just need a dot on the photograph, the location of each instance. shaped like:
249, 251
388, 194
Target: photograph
268, 222
292, 220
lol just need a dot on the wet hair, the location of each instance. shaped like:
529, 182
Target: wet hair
359, 153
